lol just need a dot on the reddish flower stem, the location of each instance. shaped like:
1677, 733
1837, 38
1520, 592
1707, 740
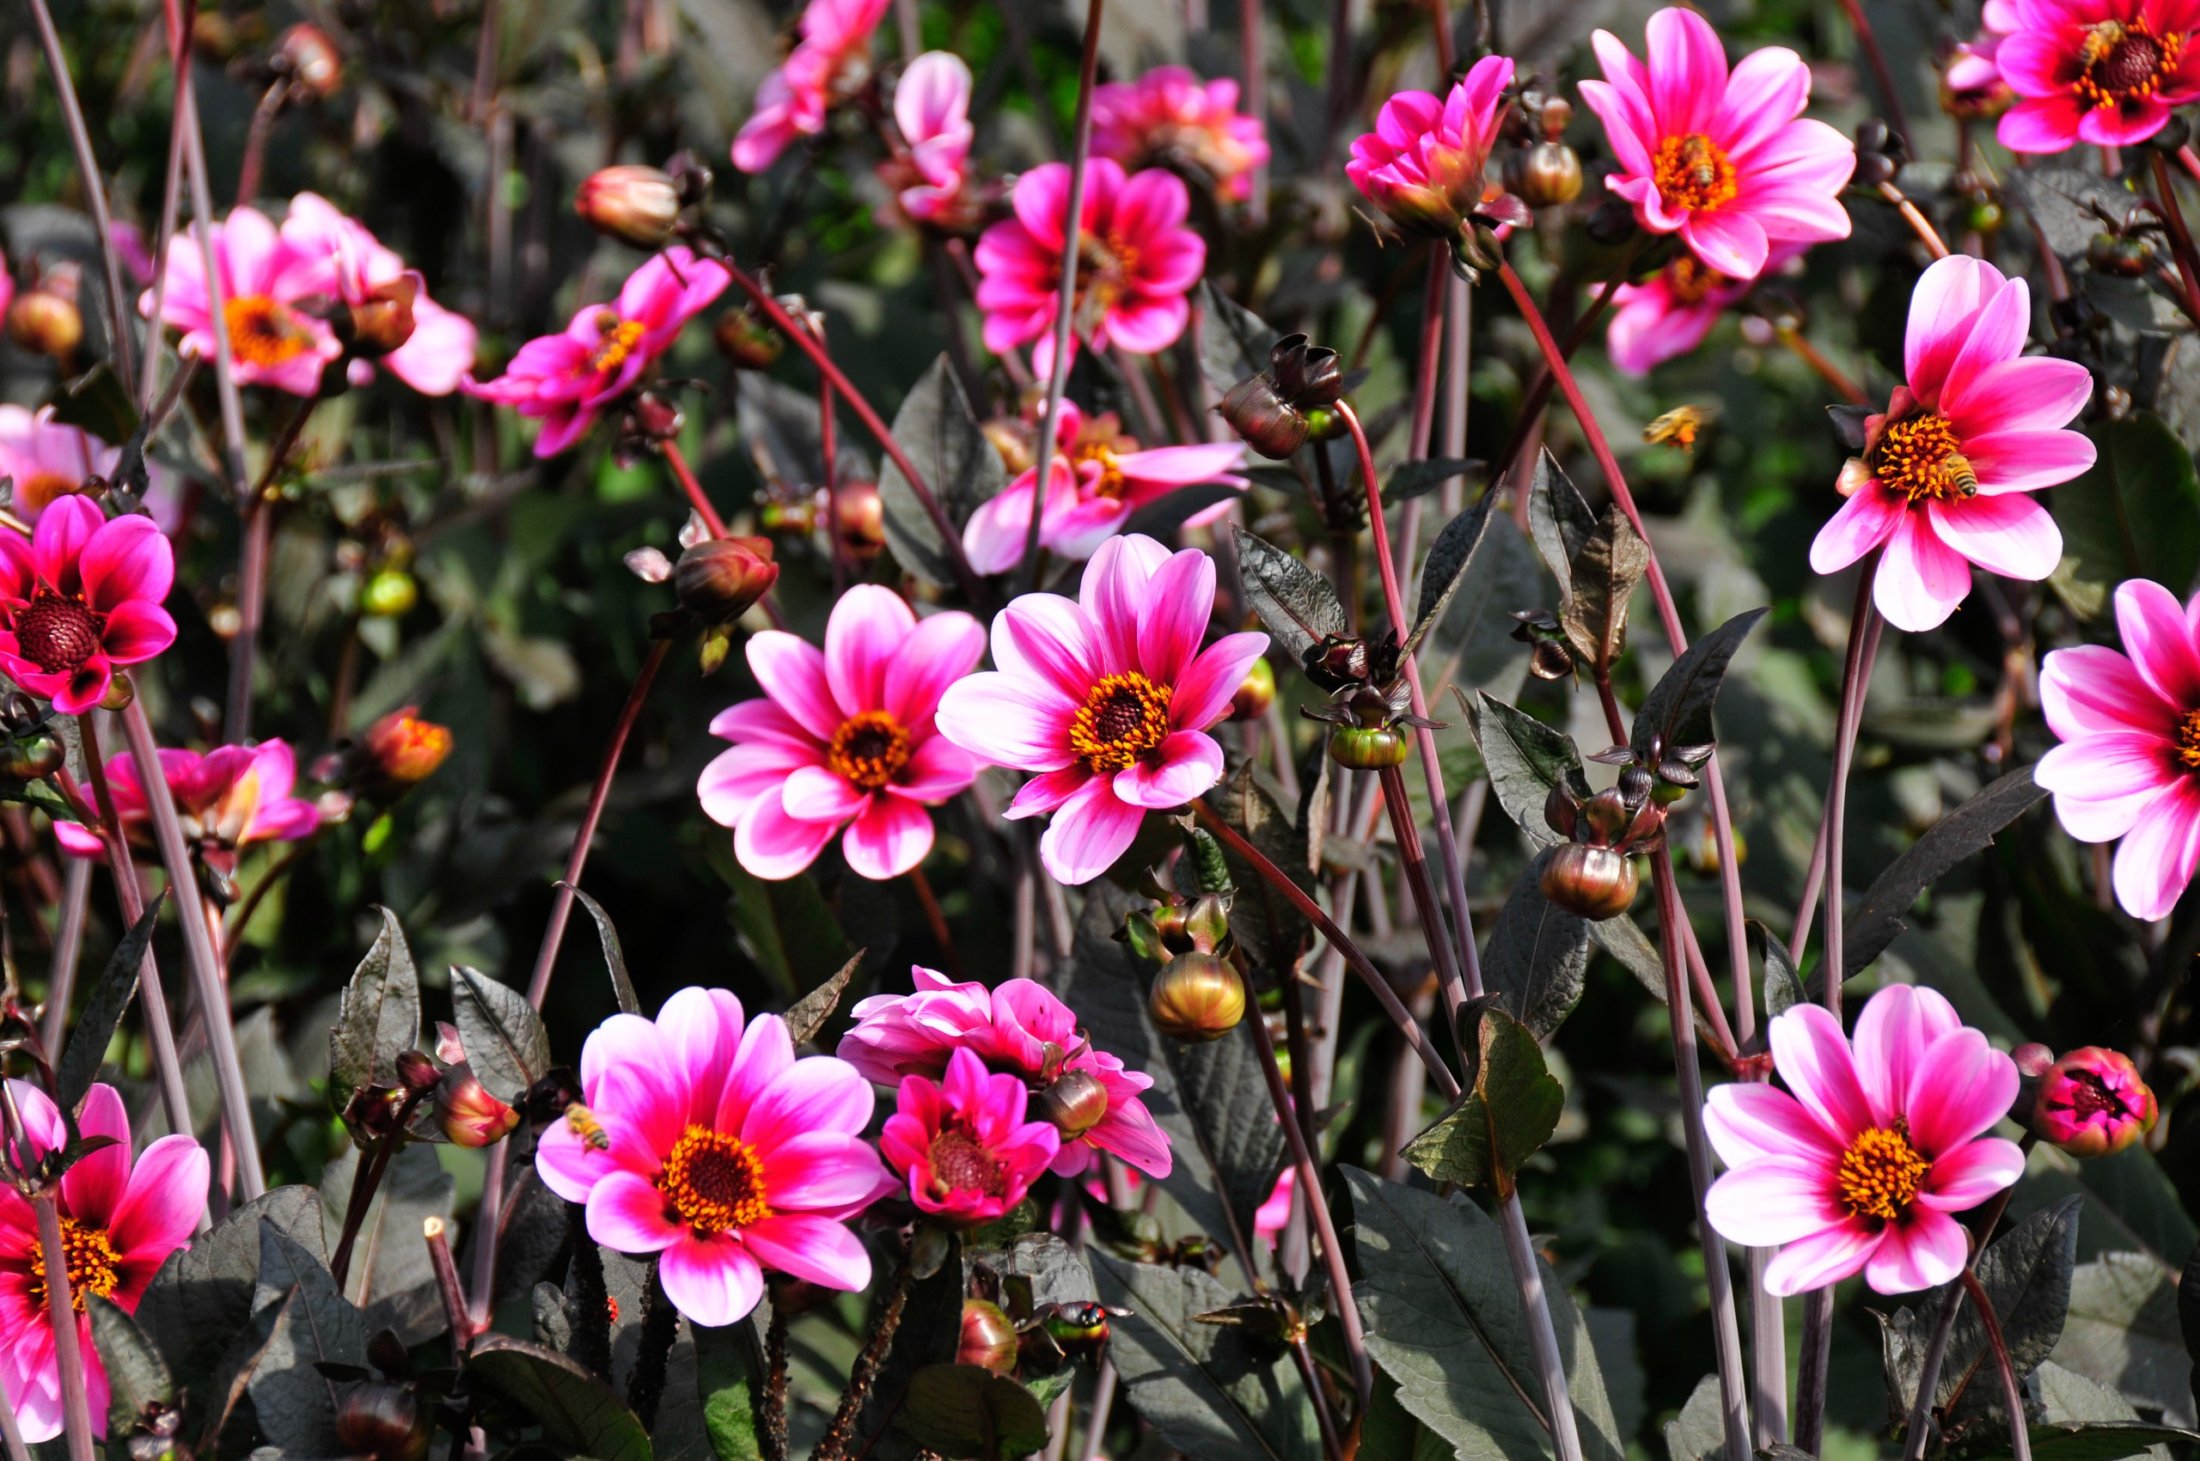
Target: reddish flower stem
2012, 1393
1877, 60
2173, 217
435, 1233
676, 460
828, 441
1919, 224
1848, 390
68, 1348
258, 525
1918, 1438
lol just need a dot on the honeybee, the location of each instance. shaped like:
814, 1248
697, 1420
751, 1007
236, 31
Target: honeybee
2099, 41
1697, 156
1678, 427
584, 1125
1958, 470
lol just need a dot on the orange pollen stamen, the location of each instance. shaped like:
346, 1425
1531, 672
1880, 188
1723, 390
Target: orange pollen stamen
94, 1265
1694, 172
713, 1183
1881, 1173
619, 339
263, 332
1690, 282
869, 749
1922, 458
2188, 740
1110, 483
2125, 62
1123, 718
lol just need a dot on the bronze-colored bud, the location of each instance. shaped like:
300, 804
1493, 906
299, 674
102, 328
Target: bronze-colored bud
2125, 256
1605, 816
1075, 1102
311, 61
746, 340
1197, 998
416, 1072
1269, 424
635, 204
1560, 810
1544, 174
988, 1337
1336, 661
468, 1114
384, 1421
718, 580
383, 321
31, 757
1594, 882
859, 517
45, 319
1306, 375
1256, 694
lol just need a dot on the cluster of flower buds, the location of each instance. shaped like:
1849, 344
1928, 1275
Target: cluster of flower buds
1279, 410
1199, 994
432, 1097
1880, 153
156, 1434
1591, 874
642, 205
1369, 700
387, 1413
45, 318
2091, 1102
28, 750
1544, 172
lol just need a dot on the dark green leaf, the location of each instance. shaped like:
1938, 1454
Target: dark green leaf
136, 1375
504, 1038
1233, 341
1269, 926
1537, 955
2188, 1318
576, 1411
938, 430
202, 1296
104, 1005
2136, 514
1472, 643
2062, 198
807, 1015
96, 402
730, 1381
1510, 1108
2105, 1441
930, 1332
390, 1278
1418, 479
2067, 1398
378, 1018
1783, 982
1559, 519
1698, 1433
1603, 576
2026, 1273
1526, 758
969, 1413
1677, 711
1295, 603
1392, 1431
1446, 567
293, 1400
614, 957
786, 926
2123, 1331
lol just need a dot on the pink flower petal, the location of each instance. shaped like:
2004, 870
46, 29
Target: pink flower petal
1182, 767
774, 846
892, 836
737, 779
1813, 1058
91, 1188
1997, 335
1867, 519
1921, 579
1049, 638
792, 672
1821, 1259
1765, 91
937, 653
161, 1206
127, 559
1179, 600
627, 1213
1947, 295
1971, 1173
1772, 1202
713, 1281
2160, 641
1972, 1087
704, 1028
2025, 461
817, 1094
1090, 831
817, 794
821, 1169
2157, 860
1204, 692
1731, 243
2012, 536
865, 633
937, 769
1008, 720
1898, 1025
1748, 1122
2109, 766
2092, 688
764, 720
1925, 1250
1687, 65
817, 1249
1114, 595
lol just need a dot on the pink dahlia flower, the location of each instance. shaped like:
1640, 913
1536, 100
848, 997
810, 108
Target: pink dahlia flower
1108, 697
119, 1222
2129, 762
229, 798
264, 278
1018, 1029
47, 460
1135, 260
826, 64
1673, 313
1423, 164
1170, 116
567, 380
2108, 72
932, 112
1862, 1168
440, 350
704, 1140
2092, 1103
1100, 478
963, 1144
80, 599
1943, 479
845, 739
1975, 68
1727, 161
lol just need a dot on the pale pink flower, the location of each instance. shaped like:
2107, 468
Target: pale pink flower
2108, 72
440, 350
2129, 762
825, 64
1135, 261
1974, 68
705, 1141
47, 461
1423, 164
1672, 313
1170, 116
1946, 468
1100, 478
229, 798
1862, 1168
962, 1142
264, 279
1726, 160
1108, 697
120, 1219
1017, 1029
81, 600
567, 380
845, 739
932, 113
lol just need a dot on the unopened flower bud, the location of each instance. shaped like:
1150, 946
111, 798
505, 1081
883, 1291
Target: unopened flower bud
1206, 923
1544, 174
31, 756
988, 1337
746, 340
859, 517
383, 1421
45, 319
382, 322
2091, 1103
1259, 414
469, 1115
1367, 747
2033, 1059
311, 61
1306, 375
719, 579
1594, 882
635, 204
1074, 1103
416, 1072
388, 593
1198, 997
1256, 693
1336, 661
403, 750
2126, 256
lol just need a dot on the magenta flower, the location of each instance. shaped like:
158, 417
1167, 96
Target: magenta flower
1943, 479
2108, 72
963, 1144
2129, 762
845, 740
119, 1222
567, 380
1100, 478
264, 278
440, 350
826, 64
1673, 313
1975, 69
47, 460
1423, 164
2092, 1103
1727, 161
704, 1140
1107, 697
932, 112
1018, 1029
1862, 1167
80, 599
229, 798
1170, 116
1135, 260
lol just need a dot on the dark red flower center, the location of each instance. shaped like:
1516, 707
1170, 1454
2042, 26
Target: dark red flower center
94, 1265
58, 633
960, 1163
1922, 458
1694, 172
2188, 740
2090, 1096
2125, 62
713, 1182
869, 749
1880, 1173
1123, 718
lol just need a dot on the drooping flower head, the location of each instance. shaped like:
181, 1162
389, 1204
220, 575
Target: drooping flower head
1170, 117
932, 113
264, 279
2108, 72
962, 1142
2129, 762
827, 63
1671, 314
47, 461
1099, 479
1019, 1029
1861, 1164
566, 380
844, 739
120, 1219
1133, 257
80, 599
1424, 163
701, 1138
440, 348
1946, 468
1107, 697
1726, 160
229, 798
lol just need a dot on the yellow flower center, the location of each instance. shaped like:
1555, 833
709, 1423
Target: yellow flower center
92, 1262
1690, 282
1881, 1173
869, 749
619, 339
1921, 458
2125, 63
1694, 172
713, 1183
1123, 718
263, 332
1110, 483
2188, 740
